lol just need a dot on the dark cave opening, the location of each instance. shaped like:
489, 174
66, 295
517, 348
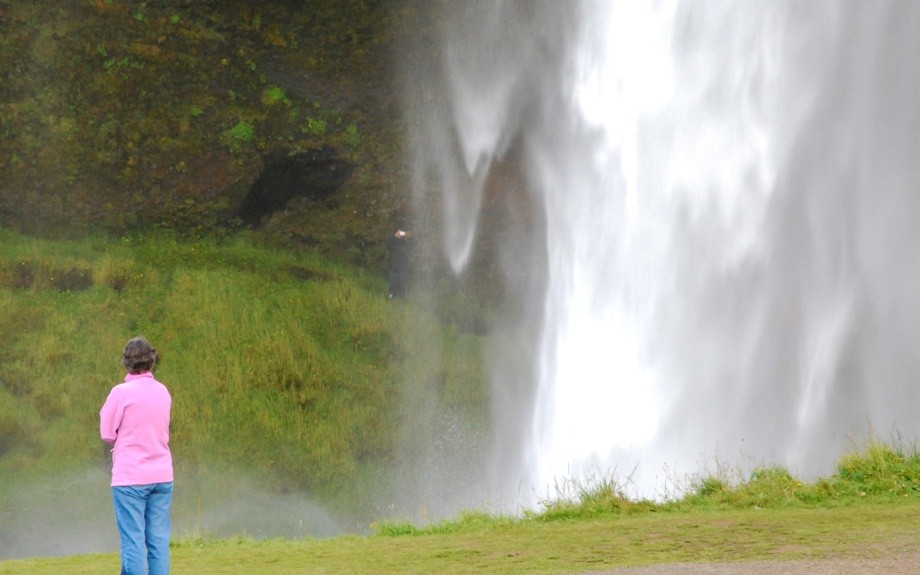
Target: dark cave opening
316, 174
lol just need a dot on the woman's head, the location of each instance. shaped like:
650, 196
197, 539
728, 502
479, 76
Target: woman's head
139, 356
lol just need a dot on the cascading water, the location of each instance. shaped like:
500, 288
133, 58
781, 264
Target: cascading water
729, 195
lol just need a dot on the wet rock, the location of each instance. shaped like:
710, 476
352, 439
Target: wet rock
201, 193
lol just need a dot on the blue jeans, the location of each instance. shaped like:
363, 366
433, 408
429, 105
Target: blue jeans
142, 513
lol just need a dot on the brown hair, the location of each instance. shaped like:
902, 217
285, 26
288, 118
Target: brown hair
139, 356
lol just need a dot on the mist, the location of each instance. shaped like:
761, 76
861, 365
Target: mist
73, 514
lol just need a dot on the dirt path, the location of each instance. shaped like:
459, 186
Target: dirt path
902, 564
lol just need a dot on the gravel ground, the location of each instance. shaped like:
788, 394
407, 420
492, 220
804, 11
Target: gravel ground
903, 564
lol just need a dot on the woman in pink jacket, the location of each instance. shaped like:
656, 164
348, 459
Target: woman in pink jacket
135, 420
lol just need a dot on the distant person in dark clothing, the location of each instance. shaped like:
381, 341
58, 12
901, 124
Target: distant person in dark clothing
400, 245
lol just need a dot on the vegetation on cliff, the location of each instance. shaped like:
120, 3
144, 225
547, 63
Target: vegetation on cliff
122, 115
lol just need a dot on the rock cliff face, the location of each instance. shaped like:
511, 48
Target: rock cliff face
201, 117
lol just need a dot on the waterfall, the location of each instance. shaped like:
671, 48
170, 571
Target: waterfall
728, 201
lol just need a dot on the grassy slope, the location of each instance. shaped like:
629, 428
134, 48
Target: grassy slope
533, 547
280, 362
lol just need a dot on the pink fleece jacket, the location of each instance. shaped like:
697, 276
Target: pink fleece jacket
135, 418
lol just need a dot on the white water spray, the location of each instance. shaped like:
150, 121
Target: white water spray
730, 199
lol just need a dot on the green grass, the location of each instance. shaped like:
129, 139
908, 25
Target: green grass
532, 547
281, 363
874, 470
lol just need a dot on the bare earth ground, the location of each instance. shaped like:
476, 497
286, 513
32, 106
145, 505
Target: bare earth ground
901, 564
